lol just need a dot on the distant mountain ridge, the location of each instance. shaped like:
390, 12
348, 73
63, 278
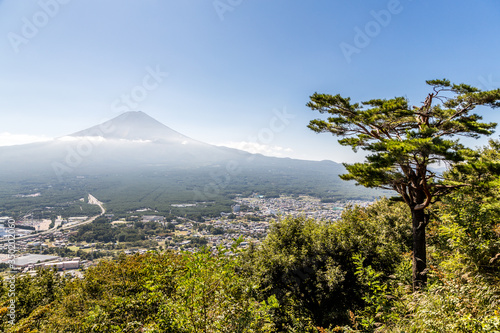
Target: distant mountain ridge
132, 140
135, 161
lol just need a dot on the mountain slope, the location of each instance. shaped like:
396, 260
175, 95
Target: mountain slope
134, 161
135, 125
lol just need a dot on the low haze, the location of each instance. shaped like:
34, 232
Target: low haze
232, 72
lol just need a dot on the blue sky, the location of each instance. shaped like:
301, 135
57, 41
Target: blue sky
232, 72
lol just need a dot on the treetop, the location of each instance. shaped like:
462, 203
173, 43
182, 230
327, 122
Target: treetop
405, 139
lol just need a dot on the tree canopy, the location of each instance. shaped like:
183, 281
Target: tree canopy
404, 141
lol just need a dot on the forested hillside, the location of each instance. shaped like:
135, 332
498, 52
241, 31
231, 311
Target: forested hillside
308, 276
425, 261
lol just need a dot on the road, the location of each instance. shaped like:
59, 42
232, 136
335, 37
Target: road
92, 200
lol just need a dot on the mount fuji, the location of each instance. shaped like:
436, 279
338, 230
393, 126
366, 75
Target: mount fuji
135, 125
132, 140
134, 160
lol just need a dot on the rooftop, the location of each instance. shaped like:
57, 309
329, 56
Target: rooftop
33, 259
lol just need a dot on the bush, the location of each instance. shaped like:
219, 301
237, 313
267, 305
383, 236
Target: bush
308, 265
153, 292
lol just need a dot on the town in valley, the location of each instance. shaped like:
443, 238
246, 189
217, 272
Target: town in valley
71, 244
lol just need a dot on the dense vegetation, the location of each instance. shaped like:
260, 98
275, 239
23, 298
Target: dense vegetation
52, 201
101, 230
353, 275
404, 141
152, 292
211, 189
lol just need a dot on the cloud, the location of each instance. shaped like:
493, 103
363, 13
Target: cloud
69, 138
258, 148
99, 139
10, 139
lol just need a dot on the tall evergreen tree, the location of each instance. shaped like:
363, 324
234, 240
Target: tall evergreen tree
404, 141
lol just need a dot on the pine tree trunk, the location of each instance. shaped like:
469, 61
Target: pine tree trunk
419, 221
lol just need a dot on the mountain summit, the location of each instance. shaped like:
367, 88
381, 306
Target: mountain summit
134, 161
135, 125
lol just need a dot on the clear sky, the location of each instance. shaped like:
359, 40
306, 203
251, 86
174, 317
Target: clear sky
232, 72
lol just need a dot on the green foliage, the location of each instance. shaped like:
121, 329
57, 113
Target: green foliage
351, 275
468, 225
55, 198
458, 299
32, 295
101, 230
454, 304
158, 188
464, 290
211, 298
377, 303
200, 292
309, 267
402, 141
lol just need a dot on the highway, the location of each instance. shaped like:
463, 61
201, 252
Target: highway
92, 200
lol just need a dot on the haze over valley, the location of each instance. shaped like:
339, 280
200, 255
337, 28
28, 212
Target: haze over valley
134, 161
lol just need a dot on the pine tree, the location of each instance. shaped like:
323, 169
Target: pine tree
404, 140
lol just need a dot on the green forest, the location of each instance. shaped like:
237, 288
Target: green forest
307, 276
427, 260
159, 189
